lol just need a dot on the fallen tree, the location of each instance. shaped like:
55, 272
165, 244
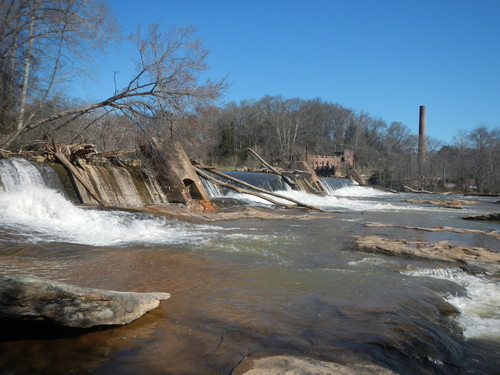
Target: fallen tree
420, 191
274, 170
73, 171
256, 188
241, 190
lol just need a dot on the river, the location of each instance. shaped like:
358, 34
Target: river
252, 286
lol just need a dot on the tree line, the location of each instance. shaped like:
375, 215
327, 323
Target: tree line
289, 130
44, 44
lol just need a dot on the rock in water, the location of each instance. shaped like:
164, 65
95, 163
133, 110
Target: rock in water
30, 298
291, 365
494, 216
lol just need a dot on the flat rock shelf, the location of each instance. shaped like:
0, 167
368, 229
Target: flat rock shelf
36, 299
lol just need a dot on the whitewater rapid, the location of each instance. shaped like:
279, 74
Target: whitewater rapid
479, 306
351, 198
32, 210
41, 214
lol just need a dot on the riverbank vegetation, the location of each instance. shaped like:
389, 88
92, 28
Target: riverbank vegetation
45, 43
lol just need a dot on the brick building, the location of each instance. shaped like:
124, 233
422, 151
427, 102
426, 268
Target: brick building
334, 164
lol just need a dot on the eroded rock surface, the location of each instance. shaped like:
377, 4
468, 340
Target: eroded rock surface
291, 365
494, 233
495, 216
30, 298
442, 250
452, 203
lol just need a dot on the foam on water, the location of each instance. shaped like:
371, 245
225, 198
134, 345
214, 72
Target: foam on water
334, 202
359, 191
45, 215
479, 307
327, 202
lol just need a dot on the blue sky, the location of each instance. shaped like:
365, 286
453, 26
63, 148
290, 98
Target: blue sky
383, 57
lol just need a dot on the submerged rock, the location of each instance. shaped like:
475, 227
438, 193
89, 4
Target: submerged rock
291, 365
453, 203
494, 216
493, 233
30, 298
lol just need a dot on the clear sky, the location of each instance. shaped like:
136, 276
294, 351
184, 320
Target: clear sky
383, 57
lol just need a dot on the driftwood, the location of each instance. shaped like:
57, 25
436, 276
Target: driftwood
79, 150
264, 163
312, 179
77, 174
4, 154
425, 191
287, 180
313, 188
241, 190
112, 154
301, 204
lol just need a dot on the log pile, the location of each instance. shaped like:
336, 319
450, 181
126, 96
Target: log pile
206, 171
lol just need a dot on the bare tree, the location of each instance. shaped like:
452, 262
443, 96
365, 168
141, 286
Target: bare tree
486, 152
41, 43
166, 79
459, 164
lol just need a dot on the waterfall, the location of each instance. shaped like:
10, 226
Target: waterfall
16, 172
213, 190
267, 181
32, 208
330, 184
119, 186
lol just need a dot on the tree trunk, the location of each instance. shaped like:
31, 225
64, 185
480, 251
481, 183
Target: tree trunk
301, 204
241, 190
27, 68
76, 174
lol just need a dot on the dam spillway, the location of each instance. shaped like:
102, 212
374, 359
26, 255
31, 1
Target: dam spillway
120, 186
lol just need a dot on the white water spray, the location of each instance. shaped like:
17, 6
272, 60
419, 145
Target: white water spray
31, 211
19, 172
479, 307
41, 214
359, 191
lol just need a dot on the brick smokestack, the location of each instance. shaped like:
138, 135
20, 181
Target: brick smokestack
421, 142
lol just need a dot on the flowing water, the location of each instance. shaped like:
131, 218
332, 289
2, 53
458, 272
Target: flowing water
249, 286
